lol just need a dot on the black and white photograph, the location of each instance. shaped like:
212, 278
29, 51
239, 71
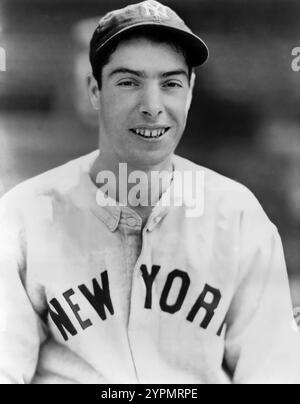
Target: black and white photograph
149, 194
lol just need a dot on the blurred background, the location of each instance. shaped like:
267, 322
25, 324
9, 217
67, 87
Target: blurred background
244, 122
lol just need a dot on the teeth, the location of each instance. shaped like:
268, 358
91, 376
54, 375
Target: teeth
150, 133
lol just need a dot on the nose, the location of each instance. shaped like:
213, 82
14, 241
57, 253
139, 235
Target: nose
151, 105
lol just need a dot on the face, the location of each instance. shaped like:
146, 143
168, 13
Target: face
143, 103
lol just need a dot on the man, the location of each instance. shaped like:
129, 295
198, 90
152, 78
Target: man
106, 279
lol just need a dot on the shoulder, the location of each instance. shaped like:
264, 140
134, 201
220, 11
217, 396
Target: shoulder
222, 194
56, 183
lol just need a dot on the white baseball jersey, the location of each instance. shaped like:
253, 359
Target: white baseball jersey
89, 296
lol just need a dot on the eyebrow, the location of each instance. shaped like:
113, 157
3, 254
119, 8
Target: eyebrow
138, 73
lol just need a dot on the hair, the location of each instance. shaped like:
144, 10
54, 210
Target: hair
168, 38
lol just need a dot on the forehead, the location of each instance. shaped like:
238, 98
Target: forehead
147, 55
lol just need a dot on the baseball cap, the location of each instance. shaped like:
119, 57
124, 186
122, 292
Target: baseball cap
150, 15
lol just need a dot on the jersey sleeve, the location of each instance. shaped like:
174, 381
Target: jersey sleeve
262, 345
19, 323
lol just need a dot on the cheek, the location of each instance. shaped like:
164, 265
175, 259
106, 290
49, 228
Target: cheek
114, 108
114, 117
179, 110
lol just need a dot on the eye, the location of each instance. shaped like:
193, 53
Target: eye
173, 84
127, 83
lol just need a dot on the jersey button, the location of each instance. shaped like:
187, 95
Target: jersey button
131, 222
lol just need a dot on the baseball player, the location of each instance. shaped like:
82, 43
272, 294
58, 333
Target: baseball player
96, 288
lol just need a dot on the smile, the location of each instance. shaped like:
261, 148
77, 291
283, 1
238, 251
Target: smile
150, 133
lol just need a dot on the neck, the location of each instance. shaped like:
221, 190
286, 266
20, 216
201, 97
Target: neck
131, 180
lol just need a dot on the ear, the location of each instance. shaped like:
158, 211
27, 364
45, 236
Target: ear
190, 94
93, 90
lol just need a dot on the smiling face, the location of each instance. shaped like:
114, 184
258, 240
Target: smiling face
143, 103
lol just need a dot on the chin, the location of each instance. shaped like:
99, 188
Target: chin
151, 160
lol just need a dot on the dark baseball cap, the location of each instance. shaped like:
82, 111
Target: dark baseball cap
150, 15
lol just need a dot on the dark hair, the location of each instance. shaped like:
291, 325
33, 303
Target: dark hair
98, 63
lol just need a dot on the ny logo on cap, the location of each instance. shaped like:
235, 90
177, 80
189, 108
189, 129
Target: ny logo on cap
155, 9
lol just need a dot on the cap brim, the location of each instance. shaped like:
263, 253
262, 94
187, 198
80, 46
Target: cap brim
195, 47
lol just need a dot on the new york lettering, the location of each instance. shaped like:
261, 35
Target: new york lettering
100, 299
202, 302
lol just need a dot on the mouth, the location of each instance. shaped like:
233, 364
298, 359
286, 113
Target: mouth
147, 133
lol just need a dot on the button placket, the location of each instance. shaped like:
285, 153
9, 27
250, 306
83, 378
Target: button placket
132, 238
136, 304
